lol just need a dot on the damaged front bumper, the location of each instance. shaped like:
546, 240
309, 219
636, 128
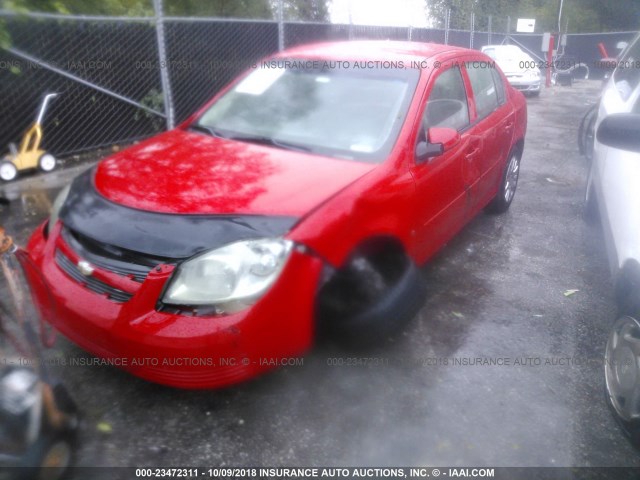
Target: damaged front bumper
124, 325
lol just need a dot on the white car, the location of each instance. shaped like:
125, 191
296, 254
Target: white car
521, 70
612, 194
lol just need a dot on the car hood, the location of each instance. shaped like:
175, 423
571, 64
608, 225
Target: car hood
185, 172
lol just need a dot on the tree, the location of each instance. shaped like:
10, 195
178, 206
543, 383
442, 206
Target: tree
305, 10
258, 9
213, 8
309, 10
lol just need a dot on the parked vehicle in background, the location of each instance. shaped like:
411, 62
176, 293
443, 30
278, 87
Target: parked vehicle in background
302, 198
612, 195
521, 70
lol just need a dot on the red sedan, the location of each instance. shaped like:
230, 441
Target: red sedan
301, 199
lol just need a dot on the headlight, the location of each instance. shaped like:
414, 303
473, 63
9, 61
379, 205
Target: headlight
57, 206
231, 277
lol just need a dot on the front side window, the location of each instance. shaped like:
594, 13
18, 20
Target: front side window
484, 89
316, 106
447, 105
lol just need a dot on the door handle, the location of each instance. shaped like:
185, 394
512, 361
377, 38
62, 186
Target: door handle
472, 153
509, 126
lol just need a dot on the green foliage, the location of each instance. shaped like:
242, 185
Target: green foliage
5, 38
155, 101
220, 8
309, 10
312, 10
82, 7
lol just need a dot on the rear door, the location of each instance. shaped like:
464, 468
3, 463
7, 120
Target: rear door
494, 123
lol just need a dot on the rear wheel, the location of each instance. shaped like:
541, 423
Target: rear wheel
622, 375
8, 170
502, 201
47, 162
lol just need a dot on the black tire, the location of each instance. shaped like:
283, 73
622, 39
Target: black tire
622, 376
591, 213
49, 458
385, 301
586, 132
8, 171
508, 184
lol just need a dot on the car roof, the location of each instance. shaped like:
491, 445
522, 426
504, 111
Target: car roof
370, 50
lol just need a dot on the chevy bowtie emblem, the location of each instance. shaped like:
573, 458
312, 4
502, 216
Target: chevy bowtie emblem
85, 268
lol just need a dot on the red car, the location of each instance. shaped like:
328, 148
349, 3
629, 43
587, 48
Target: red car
302, 198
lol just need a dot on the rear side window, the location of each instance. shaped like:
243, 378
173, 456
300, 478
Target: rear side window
484, 88
447, 105
497, 79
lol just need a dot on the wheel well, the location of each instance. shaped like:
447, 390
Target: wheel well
386, 252
627, 288
519, 147
343, 289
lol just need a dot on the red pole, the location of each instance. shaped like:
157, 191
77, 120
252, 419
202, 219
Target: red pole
549, 61
603, 50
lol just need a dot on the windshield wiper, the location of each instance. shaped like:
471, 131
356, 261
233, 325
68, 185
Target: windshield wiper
262, 140
196, 127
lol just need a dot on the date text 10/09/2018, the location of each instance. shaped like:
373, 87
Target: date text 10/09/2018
278, 473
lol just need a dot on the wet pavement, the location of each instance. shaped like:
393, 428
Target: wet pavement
499, 368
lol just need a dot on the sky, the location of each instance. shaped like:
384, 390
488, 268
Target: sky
399, 13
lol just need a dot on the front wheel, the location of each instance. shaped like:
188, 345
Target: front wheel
47, 162
8, 170
622, 375
502, 201
371, 298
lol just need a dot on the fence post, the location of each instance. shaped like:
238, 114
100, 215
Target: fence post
164, 65
447, 20
410, 33
473, 24
350, 20
280, 25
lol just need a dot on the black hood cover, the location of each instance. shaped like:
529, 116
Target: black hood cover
173, 236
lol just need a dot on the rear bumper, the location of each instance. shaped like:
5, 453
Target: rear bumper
526, 85
179, 350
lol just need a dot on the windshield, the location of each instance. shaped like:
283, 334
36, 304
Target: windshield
352, 113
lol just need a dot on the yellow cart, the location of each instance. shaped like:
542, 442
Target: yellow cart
29, 155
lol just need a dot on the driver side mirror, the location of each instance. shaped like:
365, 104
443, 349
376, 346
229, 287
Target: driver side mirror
439, 141
620, 130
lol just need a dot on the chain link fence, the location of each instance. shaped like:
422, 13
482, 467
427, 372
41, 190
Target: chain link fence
125, 78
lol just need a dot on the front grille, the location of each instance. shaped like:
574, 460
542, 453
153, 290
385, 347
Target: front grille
91, 283
110, 258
